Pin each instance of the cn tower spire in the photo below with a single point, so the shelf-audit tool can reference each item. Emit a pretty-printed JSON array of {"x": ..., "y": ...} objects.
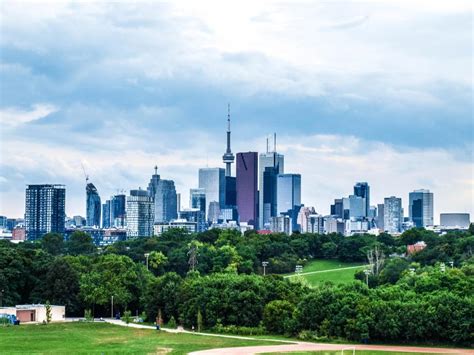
[{"x": 228, "y": 157}]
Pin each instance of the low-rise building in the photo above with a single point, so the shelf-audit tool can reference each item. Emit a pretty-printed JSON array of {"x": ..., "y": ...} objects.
[{"x": 31, "y": 313}]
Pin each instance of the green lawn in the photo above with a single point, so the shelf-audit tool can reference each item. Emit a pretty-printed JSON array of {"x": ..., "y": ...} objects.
[
  {"x": 102, "y": 338},
  {"x": 333, "y": 271}
]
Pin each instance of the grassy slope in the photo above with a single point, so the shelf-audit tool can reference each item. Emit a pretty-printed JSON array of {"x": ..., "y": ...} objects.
[
  {"x": 100, "y": 338},
  {"x": 336, "y": 276}
]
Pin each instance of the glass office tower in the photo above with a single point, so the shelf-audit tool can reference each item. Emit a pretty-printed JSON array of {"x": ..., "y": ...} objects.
[
  {"x": 420, "y": 208},
  {"x": 212, "y": 180},
  {"x": 247, "y": 188},
  {"x": 93, "y": 206}
]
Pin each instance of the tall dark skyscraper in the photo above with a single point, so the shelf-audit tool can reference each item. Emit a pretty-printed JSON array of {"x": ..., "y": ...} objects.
[
  {"x": 228, "y": 157},
  {"x": 45, "y": 210},
  {"x": 362, "y": 189},
  {"x": 269, "y": 195},
  {"x": 247, "y": 185},
  {"x": 117, "y": 211},
  {"x": 93, "y": 206},
  {"x": 106, "y": 214}
]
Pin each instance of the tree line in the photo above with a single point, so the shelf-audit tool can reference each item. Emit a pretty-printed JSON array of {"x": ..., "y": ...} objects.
[{"x": 213, "y": 280}]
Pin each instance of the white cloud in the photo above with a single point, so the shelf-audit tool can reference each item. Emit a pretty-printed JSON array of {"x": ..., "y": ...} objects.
[{"x": 13, "y": 116}]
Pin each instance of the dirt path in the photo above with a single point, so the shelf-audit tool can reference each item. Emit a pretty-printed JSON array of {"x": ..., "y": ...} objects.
[{"x": 330, "y": 347}]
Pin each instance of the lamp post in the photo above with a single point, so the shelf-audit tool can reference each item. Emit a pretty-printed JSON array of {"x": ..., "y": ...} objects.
[
  {"x": 147, "y": 255},
  {"x": 264, "y": 264},
  {"x": 112, "y": 307}
]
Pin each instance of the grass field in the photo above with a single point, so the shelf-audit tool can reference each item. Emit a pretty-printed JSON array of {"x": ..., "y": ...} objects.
[
  {"x": 330, "y": 270},
  {"x": 102, "y": 338}
]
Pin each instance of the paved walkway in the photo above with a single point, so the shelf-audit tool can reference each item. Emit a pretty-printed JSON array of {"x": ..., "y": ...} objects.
[
  {"x": 326, "y": 347},
  {"x": 323, "y": 271},
  {"x": 291, "y": 346}
]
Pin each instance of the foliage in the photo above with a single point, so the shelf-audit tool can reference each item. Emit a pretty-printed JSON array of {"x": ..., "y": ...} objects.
[
  {"x": 127, "y": 316},
  {"x": 233, "y": 329},
  {"x": 80, "y": 243},
  {"x": 277, "y": 316},
  {"x": 88, "y": 315},
  {"x": 48, "y": 312},
  {"x": 172, "y": 323},
  {"x": 199, "y": 321},
  {"x": 53, "y": 243}
]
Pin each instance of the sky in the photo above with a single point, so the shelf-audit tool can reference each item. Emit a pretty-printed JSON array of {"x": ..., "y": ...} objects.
[{"x": 376, "y": 91}]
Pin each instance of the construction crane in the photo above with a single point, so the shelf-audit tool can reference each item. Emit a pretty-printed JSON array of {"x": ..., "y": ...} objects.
[{"x": 85, "y": 174}]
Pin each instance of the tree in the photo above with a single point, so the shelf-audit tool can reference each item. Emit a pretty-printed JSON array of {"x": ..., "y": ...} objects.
[
  {"x": 393, "y": 270},
  {"x": 157, "y": 261},
  {"x": 277, "y": 316},
  {"x": 199, "y": 321},
  {"x": 111, "y": 275},
  {"x": 376, "y": 259},
  {"x": 80, "y": 243},
  {"x": 53, "y": 243},
  {"x": 48, "y": 312}
]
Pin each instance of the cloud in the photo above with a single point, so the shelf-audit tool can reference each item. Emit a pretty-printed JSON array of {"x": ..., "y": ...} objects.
[
  {"x": 148, "y": 83},
  {"x": 12, "y": 116}
]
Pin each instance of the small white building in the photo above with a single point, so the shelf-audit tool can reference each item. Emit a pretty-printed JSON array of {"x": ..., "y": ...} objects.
[{"x": 35, "y": 312}]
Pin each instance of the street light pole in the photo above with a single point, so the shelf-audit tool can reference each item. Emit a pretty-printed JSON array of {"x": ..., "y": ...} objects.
[
  {"x": 112, "y": 308},
  {"x": 264, "y": 264}
]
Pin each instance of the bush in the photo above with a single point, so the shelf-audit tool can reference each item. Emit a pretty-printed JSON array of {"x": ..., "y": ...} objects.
[
  {"x": 233, "y": 329},
  {"x": 277, "y": 316},
  {"x": 127, "y": 316},
  {"x": 172, "y": 323}
]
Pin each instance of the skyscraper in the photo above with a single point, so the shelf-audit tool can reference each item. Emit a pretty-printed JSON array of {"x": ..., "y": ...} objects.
[
  {"x": 247, "y": 193},
  {"x": 380, "y": 217},
  {"x": 212, "y": 180},
  {"x": 337, "y": 209},
  {"x": 140, "y": 214},
  {"x": 277, "y": 162},
  {"x": 163, "y": 193},
  {"x": 393, "y": 214},
  {"x": 289, "y": 197},
  {"x": 118, "y": 211},
  {"x": 228, "y": 157},
  {"x": 421, "y": 208},
  {"x": 106, "y": 213},
  {"x": 45, "y": 207},
  {"x": 197, "y": 199},
  {"x": 269, "y": 199},
  {"x": 362, "y": 189},
  {"x": 93, "y": 206}
]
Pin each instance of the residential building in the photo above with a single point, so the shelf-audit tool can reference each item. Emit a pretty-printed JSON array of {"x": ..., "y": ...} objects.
[
  {"x": 393, "y": 215},
  {"x": 93, "y": 206},
  {"x": 303, "y": 216},
  {"x": 140, "y": 214},
  {"x": 195, "y": 215},
  {"x": 315, "y": 224},
  {"x": 44, "y": 210}
]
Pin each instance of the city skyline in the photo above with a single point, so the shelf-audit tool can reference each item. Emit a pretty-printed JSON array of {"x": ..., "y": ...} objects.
[{"x": 339, "y": 118}]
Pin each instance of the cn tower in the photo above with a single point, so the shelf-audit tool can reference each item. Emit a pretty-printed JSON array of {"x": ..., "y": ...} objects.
[{"x": 228, "y": 157}]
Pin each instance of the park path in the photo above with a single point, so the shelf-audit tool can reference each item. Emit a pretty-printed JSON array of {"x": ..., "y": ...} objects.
[
  {"x": 327, "y": 347},
  {"x": 291, "y": 346},
  {"x": 323, "y": 271}
]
